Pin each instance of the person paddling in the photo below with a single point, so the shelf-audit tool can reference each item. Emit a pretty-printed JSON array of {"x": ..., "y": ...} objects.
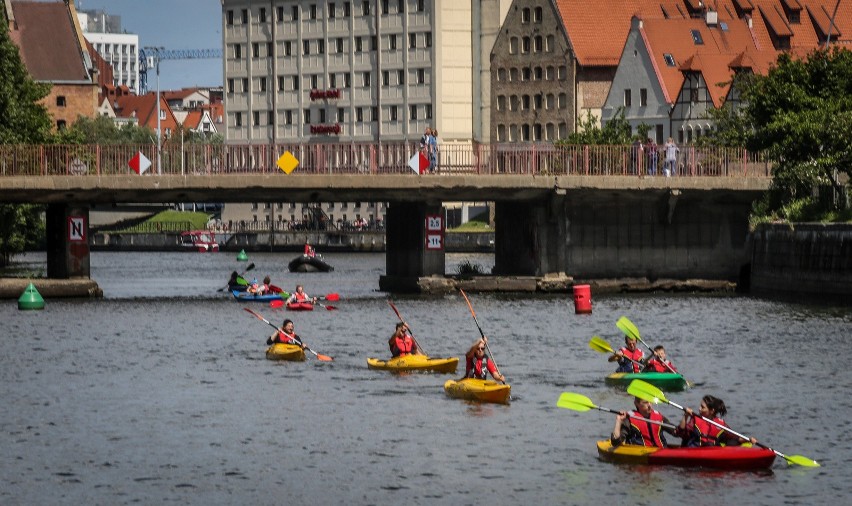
[
  {"x": 401, "y": 343},
  {"x": 629, "y": 430},
  {"x": 658, "y": 362},
  {"x": 698, "y": 432},
  {"x": 300, "y": 296},
  {"x": 285, "y": 335},
  {"x": 629, "y": 357},
  {"x": 478, "y": 365}
]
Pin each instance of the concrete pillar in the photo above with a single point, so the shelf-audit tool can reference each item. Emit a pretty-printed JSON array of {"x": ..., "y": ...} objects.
[
  {"x": 530, "y": 237},
  {"x": 409, "y": 254},
  {"x": 67, "y": 241}
]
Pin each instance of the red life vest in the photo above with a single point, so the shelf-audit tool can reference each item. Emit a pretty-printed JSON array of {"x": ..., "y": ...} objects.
[
  {"x": 286, "y": 338},
  {"x": 477, "y": 368},
  {"x": 300, "y": 297},
  {"x": 634, "y": 355},
  {"x": 657, "y": 365},
  {"x": 403, "y": 345},
  {"x": 708, "y": 434},
  {"x": 652, "y": 433}
]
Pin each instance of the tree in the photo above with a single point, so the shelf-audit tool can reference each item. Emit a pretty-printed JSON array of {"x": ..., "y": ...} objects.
[
  {"x": 800, "y": 114},
  {"x": 103, "y": 130},
  {"x": 23, "y": 119},
  {"x": 614, "y": 132}
]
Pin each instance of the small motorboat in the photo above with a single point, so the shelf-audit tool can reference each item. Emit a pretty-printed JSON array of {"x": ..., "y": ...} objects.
[
  {"x": 308, "y": 263},
  {"x": 199, "y": 240},
  {"x": 283, "y": 351},
  {"x": 715, "y": 457},
  {"x": 419, "y": 363},
  {"x": 473, "y": 389},
  {"x": 670, "y": 382}
]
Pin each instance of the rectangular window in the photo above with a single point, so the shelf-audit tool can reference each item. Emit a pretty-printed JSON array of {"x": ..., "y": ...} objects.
[
  {"x": 340, "y": 116},
  {"x": 245, "y": 16},
  {"x": 280, "y": 83},
  {"x": 347, "y": 80},
  {"x": 696, "y": 38},
  {"x": 643, "y": 97},
  {"x": 263, "y": 15},
  {"x": 246, "y": 85},
  {"x": 307, "y": 116},
  {"x": 670, "y": 61},
  {"x": 255, "y": 50},
  {"x": 295, "y": 13},
  {"x": 366, "y": 79},
  {"x": 295, "y": 83},
  {"x": 384, "y": 6},
  {"x": 412, "y": 111},
  {"x": 428, "y": 39},
  {"x": 320, "y": 46},
  {"x": 230, "y": 18},
  {"x": 60, "y": 101},
  {"x": 375, "y": 113},
  {"x": 374, "y": 43},
  {"x": 238, "y": 119},
  {"x": 347, "y": 9},
  {"x": 400, "y": 77},
  {"x": 288, "y": 117},
  {"x": 230, "y": 85},
  {"x": 393, "y": 113},
  {"x": 262, "y": 84},
  {"x": 340, "y": 45},
  {"x": 255, "y": 118},
  {"x": 412, "y": 40},
  {"x": 331, "y": 13},
  {"x": 332, "y": 80},
  {"x": 358, "y": 47},
  {"x": 392, "y": 42},
  {"x": 306, "y": 47},
  {"x": 238, "y": 51},
  {"x": 365, "y": 8},
  {"x": 627, "y": 98},
  {"x": 313, "y": 11},
  {"x": 428, "y": 111},
  {"x": 314, "y": 81},
  {"x": 385, "y": 78},
  {"x": 269, "y": 49},
  {"x": 359, "y": 114},
  {"x": 280, "y": 12},
  {"x": 322, "y": 116},
  {"x": 288, "y": 48}
]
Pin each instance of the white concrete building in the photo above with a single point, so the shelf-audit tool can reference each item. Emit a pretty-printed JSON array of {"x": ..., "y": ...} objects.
[
  {"x": 358, "y": 71},
  {"x": 120, "y": 50}
]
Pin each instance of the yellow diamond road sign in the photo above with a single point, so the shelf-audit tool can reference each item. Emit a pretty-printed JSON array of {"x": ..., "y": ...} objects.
[{"x": 287, "y": 162}]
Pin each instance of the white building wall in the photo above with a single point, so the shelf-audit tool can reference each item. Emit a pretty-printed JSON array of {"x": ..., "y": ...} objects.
[{"x": 121, "y": 51}]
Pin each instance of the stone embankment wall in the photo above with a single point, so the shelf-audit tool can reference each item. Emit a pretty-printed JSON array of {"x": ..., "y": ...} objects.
[{"x": 808, "y": 261}]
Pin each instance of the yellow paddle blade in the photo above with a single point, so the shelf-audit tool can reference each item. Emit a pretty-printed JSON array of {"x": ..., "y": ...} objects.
[
  {"x": 628, "y": 328},
  {"x": 646, "y": 391},
  {"x": 577, "y": 402},
  {"x": 800, "y": 460},
  {"x": 600, "y": 345}
]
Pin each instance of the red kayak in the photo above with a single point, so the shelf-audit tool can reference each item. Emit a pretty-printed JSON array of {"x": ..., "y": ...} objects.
[
  {"x": 716, "y": 457},
  {"x": 300, "y": 306}
]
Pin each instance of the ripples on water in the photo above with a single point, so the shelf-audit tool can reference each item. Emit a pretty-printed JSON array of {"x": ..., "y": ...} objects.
[{"x": 161, "y": 393}]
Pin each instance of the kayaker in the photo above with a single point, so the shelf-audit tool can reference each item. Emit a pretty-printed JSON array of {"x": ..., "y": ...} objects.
[
  {"x": 286, "y": 335},
  {"x": 658, "y": 362},
  {"x": 629, "y": 430},
  {"x": 477, "y": 363},
  {"x": 300, "y": 296},
  {"x": 629, "y": 357},
  {"x": 698, "y": 432},
  {"x": 309, "y": 250},
  {"x": 234, "y": 282},
  {"x": 254, "y": 287},
  {"x": 401, "y": 343}
]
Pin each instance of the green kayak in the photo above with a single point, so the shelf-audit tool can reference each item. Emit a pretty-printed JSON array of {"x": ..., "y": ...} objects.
[{"x": 663, "y": 380}]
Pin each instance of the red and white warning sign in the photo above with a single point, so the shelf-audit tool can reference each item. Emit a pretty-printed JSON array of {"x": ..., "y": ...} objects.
[
  {"x": 139, "y": 163},
  {"x": 76, "y": 229}
]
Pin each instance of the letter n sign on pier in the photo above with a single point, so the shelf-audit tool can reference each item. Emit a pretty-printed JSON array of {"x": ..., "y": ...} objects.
[
  {"x": 76, "y": 229},
  {"x": 434, "y": 232}
]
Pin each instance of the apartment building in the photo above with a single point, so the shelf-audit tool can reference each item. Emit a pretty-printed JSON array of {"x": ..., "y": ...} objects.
[
  {"x": 119, "y": 49},
  {"x": 305, "y": 71}
]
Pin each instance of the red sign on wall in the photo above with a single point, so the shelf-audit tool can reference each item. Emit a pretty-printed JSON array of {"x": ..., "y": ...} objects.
[
  {"x": 324, "y": 94},
  {"x": 434, "y": 232},
  {"x": 326, "y": 129}
]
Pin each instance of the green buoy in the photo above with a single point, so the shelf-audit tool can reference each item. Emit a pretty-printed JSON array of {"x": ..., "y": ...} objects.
[
  {"x": 30, "y": 299},
  {"x": 242, "y": 257}
]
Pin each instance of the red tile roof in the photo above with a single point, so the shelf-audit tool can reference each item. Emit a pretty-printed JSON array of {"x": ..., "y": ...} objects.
[
  {"x": 48, "y": 42},
  {"x": 144, "y": 109}
]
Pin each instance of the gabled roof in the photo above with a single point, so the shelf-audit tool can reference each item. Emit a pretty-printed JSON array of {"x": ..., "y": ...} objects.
[
  {"x": 182, "y": 93},
  {"x": 48, "y": 42},
  {"x": 193, "y": 119},
  {"x": 144, "y": 109}
]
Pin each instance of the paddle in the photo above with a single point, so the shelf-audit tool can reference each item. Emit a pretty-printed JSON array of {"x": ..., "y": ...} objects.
[
  {"x": 410, "y": 332},
  {"x": 248, "y": 268},
  {"x": 481, "y": 333},
  {"x": 598, "y": 344},
  {"x": 577, "y": 402},
  {"x": 650, "y": 393},
  {"x": 629, "y": 329},
  {"x": 320, "y": 356}
]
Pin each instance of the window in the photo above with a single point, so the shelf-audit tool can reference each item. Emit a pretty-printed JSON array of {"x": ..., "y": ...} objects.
[
  {"x": 331, "y": 10},
  {"x": 314, "y": 81},
  {"x": 385, "y": 78},
  {"x": 393, "y": 109},
  {"x": 526, "y": 73},
  {"x": 539, "y": 44},
  {"x": 332, "y": 80},
  {"x": 238, "y": 119},
  {"x": 288, "y": 48},
  {"x": 288, "y": 117},
  {"x": 306, "y": 47},
  {"x": 320, "y": 46},
  {"x": 696, "y": 37},
  {"x": 255, "y": 118},
  {"x": 358, "y": 47},
  {"x": 263, "y": 15},
  {"x": 428, "y": 111},
  {"x": 307, "y": 116},
  {"x": 549, "y": 43},
  {"x": 385, "y": 7},
  {"x": 269, "y": 49},
  {"x": 60, "y": 101},
  {"x": 313, "y": 11},
  {"x": 238, "y": 51},
  {"x": 537, "y": 15},
  {"x": 230, "y": 85},
  {"x": 280, "y": 83},
  {"x": 340, "y": 115},
  {"x": 420, "y": 6},
  {"x": 374, "y": 43},
  {"x": 670, "y": 61},
  {"x": 525, "y": 102},
  {"x": 359, "y": 114},
  {"x": 627, "y": 98},
  {"x": 246, "y": 85},
  {"x": 392, "y": 42},
  {"x": 428, "y": 39},
  {"x": 693, "y": 95},
  {"x": 421, "y": 76},
  {"x": 400, "y": 77},
  {"x": 61, "y": 124},
  {"x": 365, "y": 8},
  {"x": 525, "y": 133},
  {"x": 280, "y": 13},
  {"x": 525, "y": 15},
  {"x": 295, "y": 83},
  {"x": 374, "y": 111},
  {"x": 347, "y": 9},
  {"x": 295, "y": 13},
  {"x": 525, "y": 45},
  {"x": 230, "y": 17},
  {"x": 340, "y": 45},
  {"x": 412, "y": 41},
  {"x": 255, "y": 50},
  {"x": 501, "y": 103},
  {"x": 262, "y": 84},
  {"x": 643, "y": 97},
  {"x": 322, "y": 116},
  {"x": 245, "y": 16},
  {"x": 538, "y": 73},
  {"x": 538, "y": 101},
  {"x": 412, "y": 112},
  {"x": 347, "y": 82},
  {"x": 366, "y": 79}
]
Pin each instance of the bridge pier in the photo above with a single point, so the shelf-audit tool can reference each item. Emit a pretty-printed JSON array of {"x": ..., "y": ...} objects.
[
  {"x": 407, "y": 255},
  {"x": 67, "y": 230},
  {"x": 530, "y": 237}
]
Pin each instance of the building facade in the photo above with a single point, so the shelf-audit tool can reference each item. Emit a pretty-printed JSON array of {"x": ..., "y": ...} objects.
[
  {"x": 302, "y": 71},
  {"x": 120, "y": 50}
]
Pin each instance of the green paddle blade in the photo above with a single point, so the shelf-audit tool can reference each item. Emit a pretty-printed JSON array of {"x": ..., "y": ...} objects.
[
  {"x": 577, "y": 402},
  {"x": 646, "y": 391},
  {"x": 800, "y": 460},
  {"x": 600, "y": 345},
  {"x": 628, "y": 328}
]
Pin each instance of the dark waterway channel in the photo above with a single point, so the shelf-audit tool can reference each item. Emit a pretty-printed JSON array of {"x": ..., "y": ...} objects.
[{"x": 160, "y": 393}]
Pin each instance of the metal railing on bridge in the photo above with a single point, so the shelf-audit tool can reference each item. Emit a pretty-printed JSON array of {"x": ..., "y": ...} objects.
[{"x": 386, "y": 158}]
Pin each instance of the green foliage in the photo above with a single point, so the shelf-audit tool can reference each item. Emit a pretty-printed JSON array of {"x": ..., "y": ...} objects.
[
  {"x": 21, "y": 228},
  {"x": 22, "y": 118},
  {"x": 473, "y": 226},
  {"x": 801, "y": 115},
  {"x": 198, "y": 220},
  {"x": 467, "y": 268},
  {"x": 103, "y": 130},
  {"x": 616, "y": 131}
]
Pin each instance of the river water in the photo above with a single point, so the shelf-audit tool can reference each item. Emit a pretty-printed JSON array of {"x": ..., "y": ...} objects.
[{"x": 160, "y": 393}]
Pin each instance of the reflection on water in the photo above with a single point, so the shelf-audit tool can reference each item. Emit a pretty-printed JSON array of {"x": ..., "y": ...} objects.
[{"x": 161, "y": 393}]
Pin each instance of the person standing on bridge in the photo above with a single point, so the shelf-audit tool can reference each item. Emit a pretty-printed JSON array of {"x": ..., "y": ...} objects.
[{"x": 671, "y": 150}]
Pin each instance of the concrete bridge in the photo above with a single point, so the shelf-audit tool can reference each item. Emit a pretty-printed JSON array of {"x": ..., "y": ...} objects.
[{"x": 588, "y": 211}]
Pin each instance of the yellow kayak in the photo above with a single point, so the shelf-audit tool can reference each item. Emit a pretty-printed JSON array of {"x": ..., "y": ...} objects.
[
  {"x": 414, "y": 363},
  {"x": 281, "y": 351},
  {"x": 473, "y": 389}
]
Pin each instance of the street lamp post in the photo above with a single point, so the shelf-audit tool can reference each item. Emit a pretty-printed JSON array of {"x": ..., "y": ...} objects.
[{"x": 155, "y": 55}]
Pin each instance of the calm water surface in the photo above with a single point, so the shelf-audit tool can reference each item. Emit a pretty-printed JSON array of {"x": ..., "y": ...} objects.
[{"x": 160, "y": 393}]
